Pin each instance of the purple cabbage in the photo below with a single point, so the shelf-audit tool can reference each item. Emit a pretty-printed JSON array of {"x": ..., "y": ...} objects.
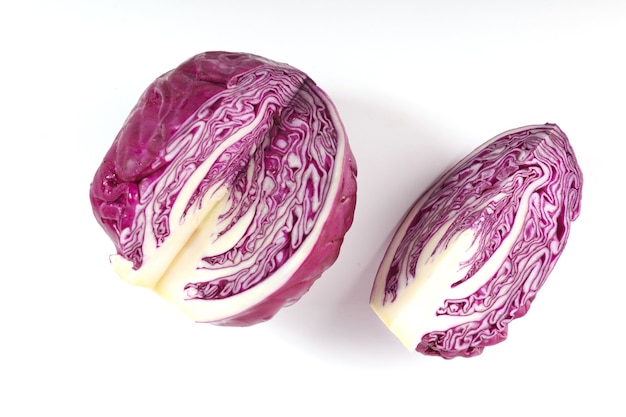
[
  {"x": 229, "y": 188},
  {"x": 476, "y": 247}
]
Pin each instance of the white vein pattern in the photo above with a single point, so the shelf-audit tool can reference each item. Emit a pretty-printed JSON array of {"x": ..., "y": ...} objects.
[{"x": 475, "y": 249}]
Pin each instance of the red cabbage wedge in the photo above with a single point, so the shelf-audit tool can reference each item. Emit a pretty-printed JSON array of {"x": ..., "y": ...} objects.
[
  {"x": 229, "y": 188},
  {"x": 475, "y": 248}
]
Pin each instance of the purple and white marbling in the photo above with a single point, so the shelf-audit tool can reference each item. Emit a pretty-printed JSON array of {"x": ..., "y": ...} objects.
[
  {"x": 229, "y": 188},
  {"x": 476, "y": 247}
]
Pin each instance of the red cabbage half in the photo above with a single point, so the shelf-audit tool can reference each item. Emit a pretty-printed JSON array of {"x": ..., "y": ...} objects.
[
  {"x": 229, "y": 188},
  {"x": 475, "y": 248}
]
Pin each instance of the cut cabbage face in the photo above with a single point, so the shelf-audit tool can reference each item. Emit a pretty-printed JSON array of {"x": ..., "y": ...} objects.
[
  {"x": 476, "y": 247},
  {"x": 229, "y": 188}
]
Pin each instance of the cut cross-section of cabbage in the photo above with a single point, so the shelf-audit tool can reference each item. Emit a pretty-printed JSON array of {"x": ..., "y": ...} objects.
[
  {"x": 229, "y": 188},
  {"x": 472, "y": 252}
]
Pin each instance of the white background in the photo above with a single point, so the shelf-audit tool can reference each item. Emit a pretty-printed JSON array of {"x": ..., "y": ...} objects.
[{"x": 418, "y": 84}]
